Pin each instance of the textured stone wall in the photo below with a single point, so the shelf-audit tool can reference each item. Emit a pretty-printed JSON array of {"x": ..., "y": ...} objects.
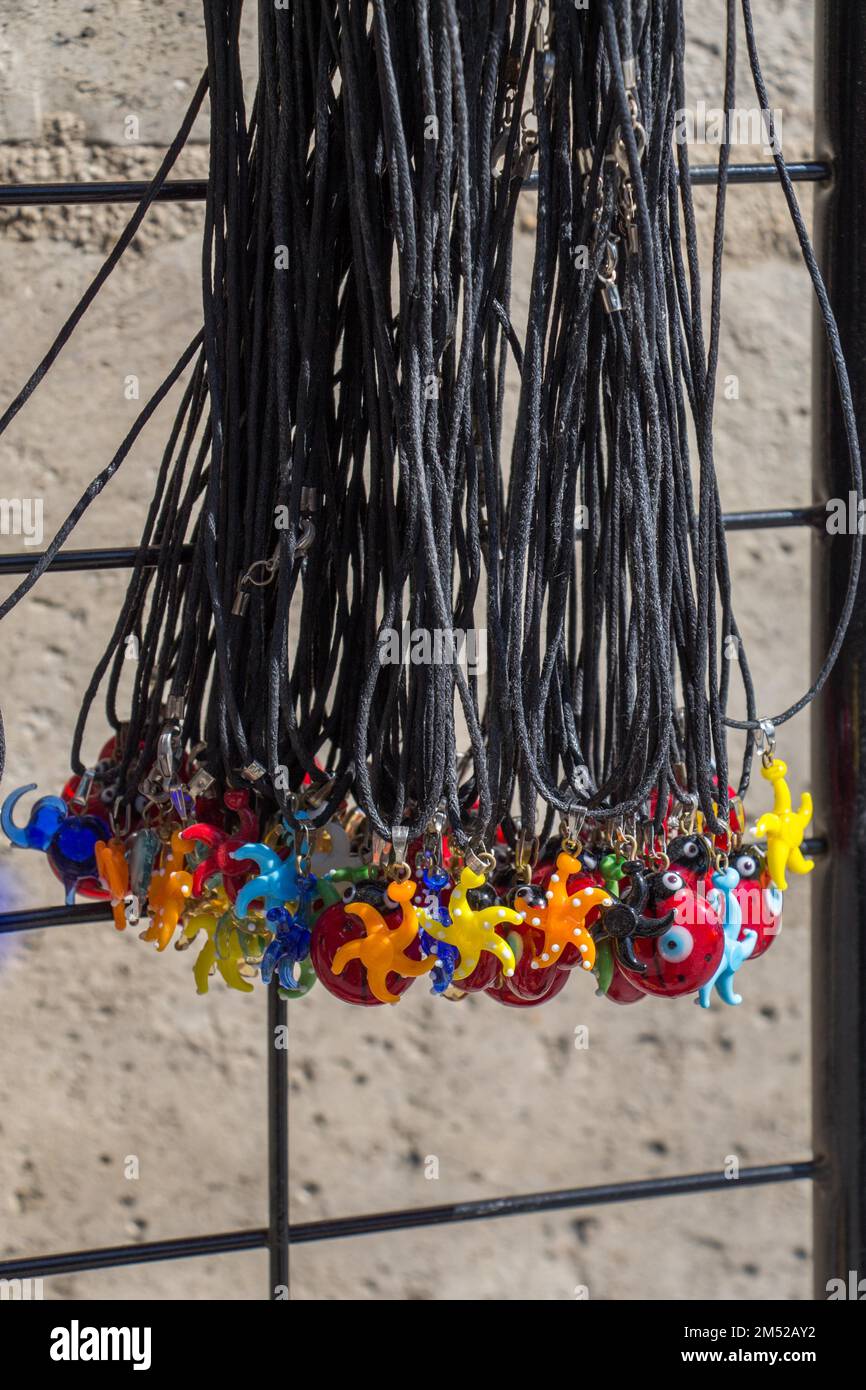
[{"x": 107, "y": 1052}]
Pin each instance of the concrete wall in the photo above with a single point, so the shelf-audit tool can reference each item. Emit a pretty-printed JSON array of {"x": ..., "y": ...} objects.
[{"x": 107, "y": 1052}]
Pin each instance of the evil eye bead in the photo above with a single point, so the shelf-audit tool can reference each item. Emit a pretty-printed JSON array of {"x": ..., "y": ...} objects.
[
  {"x": 677, "y": 944},
  {"x": 671, "y": 882},
  {"x": 747, "y": 866}
]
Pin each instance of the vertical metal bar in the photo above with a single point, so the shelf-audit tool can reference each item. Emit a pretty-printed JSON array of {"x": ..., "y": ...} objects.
[
  {"x": 839, "y": 730},
  {"x": 278, "y": 1144}
]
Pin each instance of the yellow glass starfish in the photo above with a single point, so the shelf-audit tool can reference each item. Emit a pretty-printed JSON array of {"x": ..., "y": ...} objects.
[
  {"x": 784, "y": 827},
  {"x": 170, "y": 887},
  {"x": 382, "y": 950},
  {"x": 563, "y": 917},
  {"x": 207, "y": 917},
  {"x": 473, "y": 932}
]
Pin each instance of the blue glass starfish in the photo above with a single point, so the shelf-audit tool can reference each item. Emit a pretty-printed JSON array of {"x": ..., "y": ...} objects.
[
  {"x": 278, "y": 882},
  {"x": 722, "y": 900},
  {"x": 447, "y": 956},
  {"x": 289, "y": 948}
]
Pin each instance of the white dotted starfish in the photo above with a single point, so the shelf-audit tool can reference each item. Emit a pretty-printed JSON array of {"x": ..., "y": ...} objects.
[
  {"x": 473, "y": 931},
  {"x": 564, "y": 915}
]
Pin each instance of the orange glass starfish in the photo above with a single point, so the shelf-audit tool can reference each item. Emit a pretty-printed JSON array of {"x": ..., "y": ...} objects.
[
  {"x": 564, "y": 915},
  {"x": 113, "y": 873},
  {"x": 383, "y": 950},
  {"x": 170, "y": 889}
]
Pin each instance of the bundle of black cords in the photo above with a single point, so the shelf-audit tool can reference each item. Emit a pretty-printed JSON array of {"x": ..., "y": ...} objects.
[{"x": 340, "y": 464}]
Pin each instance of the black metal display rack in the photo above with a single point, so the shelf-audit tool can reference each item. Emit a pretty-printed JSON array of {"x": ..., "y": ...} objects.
[{"x": 838, "y": 1164}]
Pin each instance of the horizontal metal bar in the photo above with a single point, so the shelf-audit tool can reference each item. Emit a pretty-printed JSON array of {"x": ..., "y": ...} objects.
[
  {"x": 22, "y": 562},
  {"x": 34, "y": 919},
  {"x": 195, "y": 190},
  {"x": 806, "y": 171},
  {"x": 534, "y": 1202},
  {"x": 111, "y": 1256},
  {"x": 65, "y": 916},
  {"x": 375, "y": 1223},
  {"x": 14, "y": 195},
  {"x": 702, "y": 175},
  {"x": 779, "y": 518}
]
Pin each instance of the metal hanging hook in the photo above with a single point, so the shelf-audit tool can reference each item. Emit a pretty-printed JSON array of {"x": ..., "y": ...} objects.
[{"x": 765, "y": 741}]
